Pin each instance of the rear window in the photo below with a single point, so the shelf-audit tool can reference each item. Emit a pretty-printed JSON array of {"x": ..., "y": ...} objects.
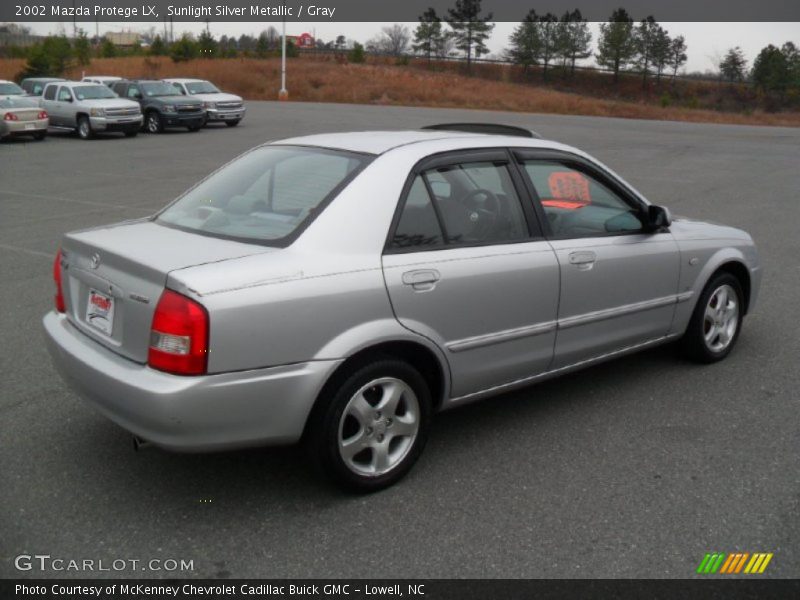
[
  {"x": 266, "y": 195},
  {"x": 10, "y": 89}
]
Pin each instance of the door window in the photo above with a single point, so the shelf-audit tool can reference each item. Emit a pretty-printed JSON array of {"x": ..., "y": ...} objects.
[
  {"x": 133, "y": 91},
  {"x": 418, "y": 226},
  {"x": 577, "y": 204},
  {"x": 50, "y": 92},
  {"x": 64, "y": 95}
]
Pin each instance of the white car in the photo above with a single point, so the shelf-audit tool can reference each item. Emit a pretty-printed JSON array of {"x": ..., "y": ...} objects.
[
  {"x": 106, "y": 80},
  {"x": 220, "y": 107}
]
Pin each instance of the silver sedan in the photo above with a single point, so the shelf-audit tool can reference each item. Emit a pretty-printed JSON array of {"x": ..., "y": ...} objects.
[
  {"x": 21, "y": 116},
  {"x": 340, "y": 289}
]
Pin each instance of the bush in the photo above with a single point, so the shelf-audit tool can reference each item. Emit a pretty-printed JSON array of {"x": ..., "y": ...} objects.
[
  {"x": 184, "y": 49},
  {"x": 356, "y": 55}
]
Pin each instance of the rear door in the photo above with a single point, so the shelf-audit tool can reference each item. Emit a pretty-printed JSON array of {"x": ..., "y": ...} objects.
[
  {"x": 619, "y": 281},
  {"x": 49, "y": 104},
  {"x": 467, "y": 267}
]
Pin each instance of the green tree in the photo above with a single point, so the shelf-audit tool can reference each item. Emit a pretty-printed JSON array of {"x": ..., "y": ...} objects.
[
  {"x": 792, "y": 54},
  {"x": 677, "y": 54},
  {"x": 733, "y": 66},
  {"x": 549, "y": 34},
  {"x": 292, "y": 51},
  {"x": 771, "y": 70},
  {"x": 184, "y": 49},
  {"x": 207, "y": 45},
  {"x": 38, "y": 64},
  {"x": 107, "y": 48},
  {"x": 158, "y": 47},
  {"x": 262, "y": 45},
  {"x": 526, "y": 42},
  {"x": 470, "y": 29},
  {"x": 617, "y": 45},
  {"x": 82, "y": 48},
  {"x": 574, "y": 38},
  {"x": 646, "y": 41},
  {"x": 662, "y": 52},
  {"x": 356, "y": 55},
  {"x": 428, "y": 34}
]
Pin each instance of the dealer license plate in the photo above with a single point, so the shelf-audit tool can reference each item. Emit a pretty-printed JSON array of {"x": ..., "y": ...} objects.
[{"x": 100, "y": 312}]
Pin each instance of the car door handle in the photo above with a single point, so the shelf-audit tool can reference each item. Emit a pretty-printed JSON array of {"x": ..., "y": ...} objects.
[
  {"x": 422, "y": 279},
  {"x": 584, "y": 259}
]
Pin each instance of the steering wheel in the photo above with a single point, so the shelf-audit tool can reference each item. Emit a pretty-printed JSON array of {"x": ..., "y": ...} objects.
[{"x": 483, "y": 213}]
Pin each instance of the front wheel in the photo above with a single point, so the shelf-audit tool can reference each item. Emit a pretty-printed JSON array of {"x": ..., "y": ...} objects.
[
  {"x": 85, "y": 128},
  {"x": 153, "y": 123},
  {"x": 373, "y": 428},
  {"x": 716, "y": 321},
  {"x": 194, "y": 128}
]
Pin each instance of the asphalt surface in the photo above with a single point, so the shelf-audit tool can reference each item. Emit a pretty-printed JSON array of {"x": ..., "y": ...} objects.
[{"x": 635, "y": 468}]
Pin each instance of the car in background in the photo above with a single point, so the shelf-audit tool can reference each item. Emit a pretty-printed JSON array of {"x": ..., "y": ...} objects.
[
  {"x": 9, "y": 88},
  {"x": 220, "y": 107},
  {"x": 341, "y": 288},
  {"x": 162, "y": 105},
  {"x": 34, "y": 86},
  {"x": 90, "y": 108},
  {"x": 102, "y": 79},
  {"x": 22, "y": 116}
]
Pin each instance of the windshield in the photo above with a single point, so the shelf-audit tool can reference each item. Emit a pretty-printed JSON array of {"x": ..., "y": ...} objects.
[
  {"x": 14, "y": 102},
  {"x": 93, "y": 92},
  {"x": 11, "y": 89},
  {"x": 202, "y": 87},
  {"x": 159, "y": 89},
  {"x": 265, "y": 195}
]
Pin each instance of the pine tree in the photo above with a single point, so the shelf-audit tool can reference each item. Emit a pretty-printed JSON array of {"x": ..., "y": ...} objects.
[
  {"x": 617, "y": 46},
  {"x": 158, "y": 47},
  {"x": 677, "y": 54},
  {"x": 207, "y": 44},
  {"x": 646, "y": 38},
  {"x": 526, "y": 42},
  {"x": 734, "y": 65},
  {"x": 574, "y": 38},
  {"x": 428, "y": 34},
  {"x": 470, "y": 29}
]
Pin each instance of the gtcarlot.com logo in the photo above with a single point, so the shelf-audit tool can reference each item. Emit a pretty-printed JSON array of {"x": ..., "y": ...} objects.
[
  {"x": 734, "y": 563},
  {"x": 45, "y": 562}
]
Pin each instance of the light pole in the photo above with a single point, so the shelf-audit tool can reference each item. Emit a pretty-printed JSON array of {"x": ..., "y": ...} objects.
[{"x": 283, "y": 94}]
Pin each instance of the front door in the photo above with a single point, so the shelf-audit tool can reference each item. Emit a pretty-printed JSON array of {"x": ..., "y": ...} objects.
[{"x": 466, "y": 266}]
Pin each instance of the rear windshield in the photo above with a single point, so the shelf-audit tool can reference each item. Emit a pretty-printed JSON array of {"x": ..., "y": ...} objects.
[
  {"x": 10, "y": 89},
  {"x": 93, "y": 92},
  {"x": 266, "y": 195},
  {"x": 14, "y": 102},
  {"x": 202, "y": 87},
  {"x": 159, "y": 89}
]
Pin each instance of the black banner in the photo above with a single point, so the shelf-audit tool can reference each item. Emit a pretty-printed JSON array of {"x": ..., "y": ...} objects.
[
  {"x": 383, "y": 10},
  {"x": 422, "y": 589}
]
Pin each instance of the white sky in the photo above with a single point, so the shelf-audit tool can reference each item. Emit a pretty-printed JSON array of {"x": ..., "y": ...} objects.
[{"x": 706, "y": 41}]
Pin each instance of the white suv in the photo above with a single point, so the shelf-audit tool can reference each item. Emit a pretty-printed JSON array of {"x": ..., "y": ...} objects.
[{"x": 220, "y": 107}]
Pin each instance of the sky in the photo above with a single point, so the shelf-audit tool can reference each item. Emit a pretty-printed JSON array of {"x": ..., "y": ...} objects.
[{"x": 707, "y": 42}]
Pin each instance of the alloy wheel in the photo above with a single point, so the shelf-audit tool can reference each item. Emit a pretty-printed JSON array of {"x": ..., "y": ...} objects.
[{"x": 721, "y": 318}]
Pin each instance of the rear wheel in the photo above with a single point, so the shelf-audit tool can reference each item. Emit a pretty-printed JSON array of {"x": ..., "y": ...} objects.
[
  {"x": 40, "y": 135},
  {"x": 716, "y": 321},
  {"x": 232, "y": 123},
  {"x": 373, "y": 428},
  {"x": 85, "y": 128},
  {"x": 153, "y": 122}
]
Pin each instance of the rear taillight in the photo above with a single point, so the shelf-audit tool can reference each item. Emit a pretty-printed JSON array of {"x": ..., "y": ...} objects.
[
  {"x": 59, "y": 298},
  {"x": 179, "y": 336},
  {"x": 43, "y": 114},
  {"x": 10, "y": 117}
]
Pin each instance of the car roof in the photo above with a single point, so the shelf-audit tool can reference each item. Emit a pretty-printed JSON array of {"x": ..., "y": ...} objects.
[
  {"x": 114, "y": 77},
  {"x": 379, "y": 142},
  {"x": 44, "y": 79},
  {"x": 181, "y": 80}
]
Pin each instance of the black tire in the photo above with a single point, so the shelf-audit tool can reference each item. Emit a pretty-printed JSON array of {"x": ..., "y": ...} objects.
[
  {"x": 232, "y": 123},
  {"x": 153, "y": 122},
  {"x": 322, "y": 437},
  {"x": 85, "y": 131},
  {"x": 693, "y": 343},
  {"x": 194, "y": 128},
  {"x": 39, "y": 135},
  {"x": 131, "y": 134}
]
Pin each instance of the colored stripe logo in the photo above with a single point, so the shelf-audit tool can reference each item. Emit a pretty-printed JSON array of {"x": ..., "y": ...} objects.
[{"x": 734, "y": 563}]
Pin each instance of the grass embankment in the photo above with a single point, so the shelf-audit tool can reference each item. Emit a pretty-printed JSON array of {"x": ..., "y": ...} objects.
[{"x": 324, "y": 79}]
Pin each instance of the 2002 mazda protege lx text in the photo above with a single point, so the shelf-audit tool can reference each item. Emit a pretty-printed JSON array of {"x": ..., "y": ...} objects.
[{"x": 339, "y": 289}]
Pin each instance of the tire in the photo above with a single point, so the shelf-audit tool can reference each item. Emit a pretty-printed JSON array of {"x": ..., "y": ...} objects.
[
  {"x": 85, "y": 128},
  {"x": 39, "y": 135},
  {"x": 713, "y": 329},
  {"x": 356, "y": 411},
  {"x": 153, "y": 123},
  {"x": 131, "y": 134},
  {"x": 194, "y": 128},
  {"x": 232, "y": 123}
]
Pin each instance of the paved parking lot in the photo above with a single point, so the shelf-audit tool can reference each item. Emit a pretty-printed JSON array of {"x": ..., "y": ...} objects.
[{"x": 632, "y": 469}]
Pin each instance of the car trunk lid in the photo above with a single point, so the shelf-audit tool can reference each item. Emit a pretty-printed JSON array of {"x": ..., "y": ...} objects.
[{"x": 113, "y": 277}]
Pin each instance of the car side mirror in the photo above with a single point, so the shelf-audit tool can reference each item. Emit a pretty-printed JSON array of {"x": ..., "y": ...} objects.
[{"x": 658, "y": 217}]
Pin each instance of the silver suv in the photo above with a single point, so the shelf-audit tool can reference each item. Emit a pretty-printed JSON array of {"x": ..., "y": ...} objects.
[
  {"x": 342, "y": 288},
  {"x": 90, "y": 108}
]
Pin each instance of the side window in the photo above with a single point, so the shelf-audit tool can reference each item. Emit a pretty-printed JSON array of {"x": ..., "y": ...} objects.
[
  {"x": 478, "y": 203},
  {"x": 37, "y": 89},
  {"x": 133, "y": 91},
  {"x": 179, "y": 87},
  {"x": 418, "y": 226},
  {"x": 50, "y": 92},
  {"x": 578, "y": 205},
  {"x": 64, "y": 95}
]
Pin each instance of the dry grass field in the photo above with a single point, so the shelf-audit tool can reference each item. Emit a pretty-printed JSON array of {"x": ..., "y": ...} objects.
[{"x": 325, "y": 79}]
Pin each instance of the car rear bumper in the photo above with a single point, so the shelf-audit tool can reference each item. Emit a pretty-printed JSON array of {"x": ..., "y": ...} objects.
[
  {"x": 217, "y": 115},
  {"x": 24, "y": 127},
  {"x": 213, "y": 412},
  {"x": 116, "y": 123}
]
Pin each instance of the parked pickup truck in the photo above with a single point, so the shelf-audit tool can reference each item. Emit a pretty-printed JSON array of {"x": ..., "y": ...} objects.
[
  {"x": 90, "y": 108},
  {"x": 162, "y": 105},
  {"x": 220, "y": 107}
]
